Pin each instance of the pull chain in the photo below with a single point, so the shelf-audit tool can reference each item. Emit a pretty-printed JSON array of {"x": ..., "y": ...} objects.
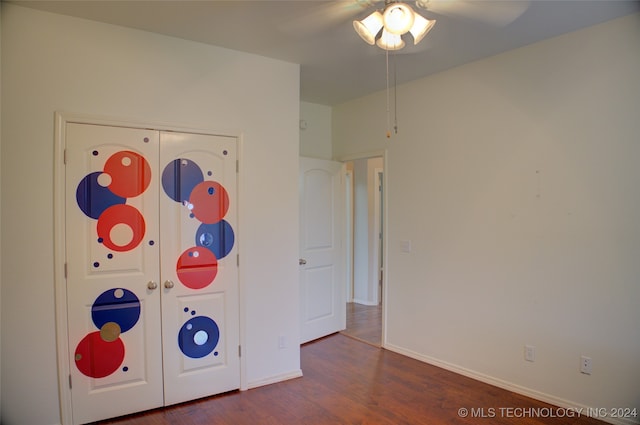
[
  {"x": 388, "y": 108},
  {"x": 395, "y": 98},
  {"x": 395, "y": 95}
]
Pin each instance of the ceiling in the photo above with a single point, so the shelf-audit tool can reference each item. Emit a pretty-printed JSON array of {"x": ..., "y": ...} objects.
[{"x": 336, "y": 65}]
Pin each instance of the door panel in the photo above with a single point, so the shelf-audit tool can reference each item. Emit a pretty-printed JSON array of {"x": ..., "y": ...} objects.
[
  {"x": 319, "y": 295},
  {"x": 200, "y": 311},
  {"x": 322, "y": 280},
  {"x": 112, "y": 254}
]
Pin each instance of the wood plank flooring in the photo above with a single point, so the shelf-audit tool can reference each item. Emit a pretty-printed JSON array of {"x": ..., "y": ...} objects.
[
  {"x": 349, "y": 382},
  {"x": 364, "y": 322}
]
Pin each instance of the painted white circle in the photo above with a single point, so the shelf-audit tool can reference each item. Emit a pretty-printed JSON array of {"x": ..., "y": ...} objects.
[
  {"x": 189, "y": 326},
  {"x": 118, "y": 293},
  {"x": 104, "y": 180},
  {"x": 200, "y": 337},
  {"x": 121, "y": 234},
  {"x": 126, "y": 161}
]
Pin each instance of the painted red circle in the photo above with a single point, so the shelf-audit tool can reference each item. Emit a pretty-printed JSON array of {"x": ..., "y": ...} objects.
[
  {"x": 210, "y": 202},
  {"x": 121, "y": 214},
  {"x": 197, "y": 267},
  {"x": 98, "y": 358},
  {"x": 130, "y": 173}
]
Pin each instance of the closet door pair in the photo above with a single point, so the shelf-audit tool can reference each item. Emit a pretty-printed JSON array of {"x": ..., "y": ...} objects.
[{"x": 151, "y": 268}]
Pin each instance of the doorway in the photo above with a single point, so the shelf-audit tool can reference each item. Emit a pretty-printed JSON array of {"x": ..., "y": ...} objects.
[{"x": 365, "y": 249}]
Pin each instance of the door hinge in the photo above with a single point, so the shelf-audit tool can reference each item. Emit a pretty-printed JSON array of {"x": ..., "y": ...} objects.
[
  {"x": 64, "y": 157},
  {"x": 65, "y": 270},
  {"x": 238, "y": 260},
  {"x": 237, "y": 165},
  {"x": 239, "y": 350},
  {"x": 70, "y": 386}
]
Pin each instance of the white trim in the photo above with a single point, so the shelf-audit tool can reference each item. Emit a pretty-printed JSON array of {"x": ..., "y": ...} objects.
[
  {"x": 377, "y": 230},
  {"x": 385, "y": 246},
  {"x": 59, "y": 258},
  {"x": 275, "y": 379},
  {"x": 59, "y": 232},
  {"x": 71, "y": 117},
  {"x": 506, "y": 385},
  {"x": 364, "y": 302},
  {"x": 364, "y": 155},
  {"x": 241, "y": 254},
  {"x": 349, "y": 235}
]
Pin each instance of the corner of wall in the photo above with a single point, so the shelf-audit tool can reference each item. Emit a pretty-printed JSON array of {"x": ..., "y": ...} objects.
[{"x": 315, "y": 131}]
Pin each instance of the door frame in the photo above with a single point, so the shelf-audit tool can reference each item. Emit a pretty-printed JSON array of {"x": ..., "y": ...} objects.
[
  {"x": 61, "y": 119},
  {"x": 378, "y": 225},
  {"x": 385, "y": 240},
  {"x": 348, "y": 226}
]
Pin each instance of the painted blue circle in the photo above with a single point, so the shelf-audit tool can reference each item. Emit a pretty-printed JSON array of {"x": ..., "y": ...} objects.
[
  {"x": 179, "y": 178},
  {"x": 93, "y": 198},
  {"x": 198, "y": 337},
  {"x": 217, "y": 237},
  {"x": 117, "y": 305}
]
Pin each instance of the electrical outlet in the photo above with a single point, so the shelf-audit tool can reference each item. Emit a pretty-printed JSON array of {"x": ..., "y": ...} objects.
[
  {"x": 585, "y": 365},
  {"x": 530, "y": 353},
  {"x": 405, "y": 246}
]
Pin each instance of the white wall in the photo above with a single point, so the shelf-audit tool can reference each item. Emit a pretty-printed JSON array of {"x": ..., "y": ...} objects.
[
  {"x": 516, "y": 179},
  {"x": 315, "y": 137},
  {"x": 56, "y": 63},
  {"x": 361, "y": 290}
]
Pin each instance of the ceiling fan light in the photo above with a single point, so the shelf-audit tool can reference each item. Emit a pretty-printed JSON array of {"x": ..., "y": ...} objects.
[
  {"x": 369, "y": 27},
  {"x": 420, "y": 28},
  {"x": 398, "y": 18},
  {"x": 389, "y": 41}
]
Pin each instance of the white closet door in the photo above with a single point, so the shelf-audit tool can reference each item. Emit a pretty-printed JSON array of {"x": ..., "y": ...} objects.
[
  {"x": 200, "y": 310},
  {"x": 112, "y": 266}
]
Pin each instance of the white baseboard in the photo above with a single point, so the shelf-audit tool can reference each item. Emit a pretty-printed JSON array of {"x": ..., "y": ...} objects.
[
  {"x": 364, "y": 302},
  {"x": 546, "y": 398},
  {"x": 274, "y": 379}
]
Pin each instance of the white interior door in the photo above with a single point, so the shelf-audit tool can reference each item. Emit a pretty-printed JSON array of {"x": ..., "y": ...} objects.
[
  {"x": 199, "y": 270},
  {"x": 152, "y": 275},
  {"x": 322, "y": 277},
  {"x": 112, "y": 267}
]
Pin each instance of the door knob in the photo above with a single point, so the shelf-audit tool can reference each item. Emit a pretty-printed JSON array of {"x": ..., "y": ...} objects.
[
  {"x": 168, "y": 284},
  {"x": 302, "y": 261},
  {"x": 152, "y": 285}
]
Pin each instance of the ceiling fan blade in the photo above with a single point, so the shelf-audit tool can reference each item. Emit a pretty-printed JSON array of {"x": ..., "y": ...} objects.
[
  {"x": 311, "y": 17},
  {"x": 493, "y": 12}
]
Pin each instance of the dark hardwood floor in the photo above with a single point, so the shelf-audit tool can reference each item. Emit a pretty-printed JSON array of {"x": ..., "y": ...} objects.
[
  {"x": 349, "y": 382},
  {"x": 364, "y": 322}
]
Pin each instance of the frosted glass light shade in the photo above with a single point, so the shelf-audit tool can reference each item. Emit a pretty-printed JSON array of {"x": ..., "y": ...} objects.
[
  {"x": 390, "y": 41},
  {"x": 420, "y": 28},
  {"x": 398, "y": 18},
  {"x": 369, "y": 27}
]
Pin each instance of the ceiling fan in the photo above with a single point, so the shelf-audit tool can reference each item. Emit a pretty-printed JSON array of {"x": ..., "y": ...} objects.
[
  {"x": 386, "y": 27},
  {"x": 398, "y": 12}
]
